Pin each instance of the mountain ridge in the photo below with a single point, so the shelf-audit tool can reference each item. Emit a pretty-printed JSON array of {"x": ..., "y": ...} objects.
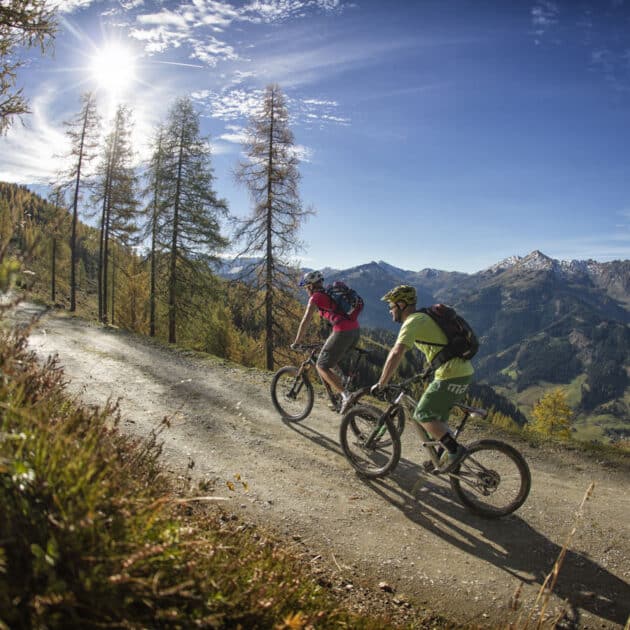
[{"x": 542, "y": 323}]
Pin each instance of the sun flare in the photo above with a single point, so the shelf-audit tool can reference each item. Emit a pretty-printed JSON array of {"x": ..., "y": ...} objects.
[{"x": 113, "y": 68}]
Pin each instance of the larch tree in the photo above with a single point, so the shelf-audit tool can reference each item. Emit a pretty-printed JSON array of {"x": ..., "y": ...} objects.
[
  {"x": 190, "y": 210},
  {"x": 82, "y": 130},
  {"x": 270, "y": 233},
  {"x": 552, "y": 415},
  {"x": 116, "y": 191},
  {"x": 23, "y": 23},
  {"x": 156, "y": 175},
  {"x": 55, "y": 220}
]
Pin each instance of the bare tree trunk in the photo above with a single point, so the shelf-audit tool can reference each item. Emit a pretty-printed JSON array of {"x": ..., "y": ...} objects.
[
  {"x": 53, "y": 271},
  {"x": 99, "y": 275},
  {"x": 269, "y": 345},
  {"x": 172, "y": 297},
  {"x": 75, "y": 218},
  {"x": 154, "y": 234},
  {"x": 113, "y": 283},
  {"x": 105, "y": 262},
  {"x": 152, "y": 293}
]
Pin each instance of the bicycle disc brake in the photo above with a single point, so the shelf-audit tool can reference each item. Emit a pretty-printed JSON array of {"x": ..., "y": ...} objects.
[{"x": 489, "y": 481}]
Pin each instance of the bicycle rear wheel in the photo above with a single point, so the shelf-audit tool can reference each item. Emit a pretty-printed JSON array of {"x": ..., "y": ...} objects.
[
  {"x": 382, "y": 455},
  {"x": 292, "y": 395},
  {"x": 493, "y": 479}
]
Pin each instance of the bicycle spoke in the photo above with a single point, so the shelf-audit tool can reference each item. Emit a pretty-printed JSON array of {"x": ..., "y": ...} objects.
[
  {"x": 493, "y": 479},
  {"x": 291, "y": 394},
  {"x": 370, "y": 454}
]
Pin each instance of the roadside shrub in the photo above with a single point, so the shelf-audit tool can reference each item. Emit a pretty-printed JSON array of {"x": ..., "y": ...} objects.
[{"x": 92, "y": 535}]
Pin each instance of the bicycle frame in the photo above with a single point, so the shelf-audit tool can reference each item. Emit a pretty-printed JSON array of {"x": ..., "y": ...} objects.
[
  {"x": 492, "y": 479},
  {"x": 408, "y": 403},
  {"x": 311, "y": 361}
]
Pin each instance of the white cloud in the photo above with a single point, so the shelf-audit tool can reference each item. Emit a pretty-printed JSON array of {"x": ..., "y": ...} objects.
[
  {"x": 158, "y": 39},
  {"x": 235, "y": 104},
  {"x": 187, "y": 25},
  {"x": 230, "y": 104},
  {"x": 165, "y": 18},
  {"x": 240, "y": 76},
  {"x": 304, "y": 154},
  {"x": 32, "y": 153},
  {"x": 170, "y": 27},
  {"x": 210, "y": 50},
  {"x": 602, "y": 32},
  {"x": 70, "y": 6},
  {"x": 235, "y": 134},
  {"x": 278, "y": 10},
  {"x": 544, "y": 16},
  {"x": 313, "y": 110}
]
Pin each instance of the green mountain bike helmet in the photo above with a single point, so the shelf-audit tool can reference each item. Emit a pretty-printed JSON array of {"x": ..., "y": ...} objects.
[{"x": 401, "y": 293}]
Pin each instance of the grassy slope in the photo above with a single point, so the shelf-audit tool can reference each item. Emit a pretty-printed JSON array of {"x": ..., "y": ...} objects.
[{"x": 93, "y": 533}]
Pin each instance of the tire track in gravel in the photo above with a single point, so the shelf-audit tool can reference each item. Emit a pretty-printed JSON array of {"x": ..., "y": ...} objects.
[{"x": 430, "y": 550}]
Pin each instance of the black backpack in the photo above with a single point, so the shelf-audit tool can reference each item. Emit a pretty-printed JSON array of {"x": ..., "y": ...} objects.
[
  {"x": 462, "y": 341},
  {"x": 347, "y": 300}
]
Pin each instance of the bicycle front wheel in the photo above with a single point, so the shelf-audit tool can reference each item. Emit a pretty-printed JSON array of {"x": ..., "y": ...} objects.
[
  {"x": 396, "y": 417},
  {"x": 292, "y": 394},
  {"x": 493, "y": 479},
  {"x": 370, "y": 443}
]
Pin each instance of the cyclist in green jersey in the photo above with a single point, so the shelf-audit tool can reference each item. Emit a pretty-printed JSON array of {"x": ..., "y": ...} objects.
[{"x": 450, "y": 380}]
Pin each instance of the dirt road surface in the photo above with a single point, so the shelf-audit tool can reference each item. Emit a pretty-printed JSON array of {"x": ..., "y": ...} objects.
[{"x": 294, "y": 480}]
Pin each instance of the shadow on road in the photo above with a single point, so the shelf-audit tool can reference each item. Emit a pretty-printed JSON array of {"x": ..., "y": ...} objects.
[{"x": 510, "y": 543}]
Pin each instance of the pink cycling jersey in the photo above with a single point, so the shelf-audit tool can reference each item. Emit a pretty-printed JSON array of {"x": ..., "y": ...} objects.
[{"x": 327, "y": 309}]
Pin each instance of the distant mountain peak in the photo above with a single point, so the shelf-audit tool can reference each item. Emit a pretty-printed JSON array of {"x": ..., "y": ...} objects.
[
  {"x": 533, "y": 260},
  {"x": 537, "y": 255},
  {"x": 537, "y": 260}
]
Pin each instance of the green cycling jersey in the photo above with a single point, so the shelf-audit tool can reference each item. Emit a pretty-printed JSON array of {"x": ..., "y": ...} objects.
[{"x": 419, "y": 327}]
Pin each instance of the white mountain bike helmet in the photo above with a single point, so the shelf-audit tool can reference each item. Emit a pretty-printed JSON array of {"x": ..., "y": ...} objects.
[{"x": 312, "y": 277}]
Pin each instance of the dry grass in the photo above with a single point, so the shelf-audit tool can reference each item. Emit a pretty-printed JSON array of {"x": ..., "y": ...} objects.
[
  {"x": 93, "y": 534},
  {"x": 538, "y": 616}
]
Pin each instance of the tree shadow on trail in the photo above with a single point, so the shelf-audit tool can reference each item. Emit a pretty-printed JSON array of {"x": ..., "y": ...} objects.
[
  {"x": 509, "y": 543},
  {"x": 315, "y": 436}
]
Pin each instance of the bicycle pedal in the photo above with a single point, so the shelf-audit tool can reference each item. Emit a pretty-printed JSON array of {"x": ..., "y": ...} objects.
[{"x": 428, "y": 466}]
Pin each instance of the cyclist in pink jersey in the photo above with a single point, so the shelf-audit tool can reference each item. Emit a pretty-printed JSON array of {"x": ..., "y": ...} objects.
[{"x": 344, "y": 336}]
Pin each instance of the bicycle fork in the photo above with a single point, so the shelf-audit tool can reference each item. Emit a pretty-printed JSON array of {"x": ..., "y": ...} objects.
[
  {"x": 377, "y": 433},
  {"x": 299, "y": 381}
]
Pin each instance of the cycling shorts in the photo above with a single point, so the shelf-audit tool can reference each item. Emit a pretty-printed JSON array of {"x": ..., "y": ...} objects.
[
  {"x": 439, "y": 397},
  {"x": 337, "y": 346}
]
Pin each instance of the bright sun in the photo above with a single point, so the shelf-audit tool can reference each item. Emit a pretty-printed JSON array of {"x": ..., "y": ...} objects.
[{"x": 113, "y": 68}]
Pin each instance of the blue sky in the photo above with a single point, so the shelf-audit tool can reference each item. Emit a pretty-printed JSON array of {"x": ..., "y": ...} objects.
[{"x": 433, "y": 133}]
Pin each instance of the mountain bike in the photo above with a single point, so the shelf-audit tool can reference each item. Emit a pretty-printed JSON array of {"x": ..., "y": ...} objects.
[
  {"x": 292, "y": 391},
  {"x": 492, "y": 480}
]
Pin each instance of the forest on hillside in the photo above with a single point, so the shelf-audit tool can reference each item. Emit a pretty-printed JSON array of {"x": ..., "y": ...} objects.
[
  {"x": 136, "y": 245},
  {"x": 224, "y": 318}
]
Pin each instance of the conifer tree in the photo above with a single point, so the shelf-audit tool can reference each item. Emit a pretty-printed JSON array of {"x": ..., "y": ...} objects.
[
  {"x": 190, "y": 210},
  {"x": 270, "y": 233},
  {"x": 132, "y": 295},
  {"x": 116, "y": 191},
  {"x": 54, "y": 222},
  {"x": 156, "y": 176},
  {"x": 83, "y": 131},
  {"x": 23, "y": 23},
  {"x": 552, "y": 415}
]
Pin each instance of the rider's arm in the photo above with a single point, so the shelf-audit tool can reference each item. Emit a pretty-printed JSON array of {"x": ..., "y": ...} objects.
[
  {"x": 308, "y": 314},
  {"x": 391, "y": 363}
]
